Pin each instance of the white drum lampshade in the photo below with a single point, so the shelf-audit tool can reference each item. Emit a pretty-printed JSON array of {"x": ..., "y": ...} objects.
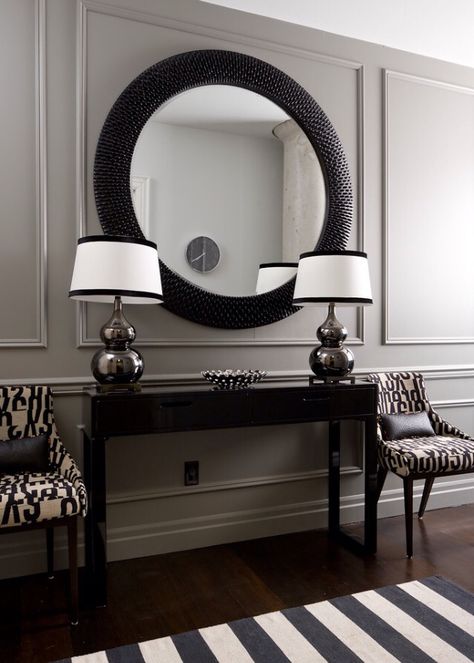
[
  {"x": 110, "y": 266},
  {"x": 339, "y": 277},
  {"x": 272, "y": 275}
]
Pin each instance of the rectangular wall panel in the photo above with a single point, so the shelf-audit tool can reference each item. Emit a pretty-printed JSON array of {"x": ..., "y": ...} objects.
[
  {"x": 429, "y": 223},
  {"x": 23, "y": 173},
  {"x": 136, "y": 41}
]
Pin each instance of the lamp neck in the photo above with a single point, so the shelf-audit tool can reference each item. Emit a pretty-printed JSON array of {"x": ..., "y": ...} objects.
[
  {"x": 118, "y": 306},
  {"x": 117, "y": 332},
  {"x": 331, "y": 333}
]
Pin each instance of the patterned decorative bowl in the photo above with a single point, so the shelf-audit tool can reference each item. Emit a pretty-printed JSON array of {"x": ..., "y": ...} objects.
[{"x": 233, "y": 379}]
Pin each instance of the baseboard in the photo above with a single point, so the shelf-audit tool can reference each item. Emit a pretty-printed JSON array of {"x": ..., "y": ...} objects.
[
  {"x": 24, "y": 553},
  {"x": 187, "y": 533},
  {"x": 445, "y": 493}
]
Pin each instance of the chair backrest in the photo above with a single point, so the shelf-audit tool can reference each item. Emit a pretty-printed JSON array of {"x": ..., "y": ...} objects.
[
  {"x": 401, "y": 393},
  {"x": 26, "y": 411}
]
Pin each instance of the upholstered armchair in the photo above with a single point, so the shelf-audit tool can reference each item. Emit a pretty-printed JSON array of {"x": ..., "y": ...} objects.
[
  {"x": 53, "y": 496},
  {"x": 412, "y": 454}
]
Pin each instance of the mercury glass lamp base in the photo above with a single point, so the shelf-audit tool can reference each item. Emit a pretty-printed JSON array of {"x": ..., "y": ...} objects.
[
  {"x": 331, "y": 359},
  {"x": 117, "y": 363},
  {"x": 331, "y": 362},
  {"x": 117, "y": 366}
]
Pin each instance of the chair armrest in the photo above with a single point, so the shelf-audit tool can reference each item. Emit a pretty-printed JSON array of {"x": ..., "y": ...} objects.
[
  {"x": 379, "y": 429},
  {"x": 444, "y": 428},
  {"x": 63, "y": 463}
]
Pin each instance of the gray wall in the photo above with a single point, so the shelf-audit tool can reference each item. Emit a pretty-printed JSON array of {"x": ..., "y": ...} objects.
[
  {"x": 192, "y": 193},
  {"x": 404, "y": 122}
]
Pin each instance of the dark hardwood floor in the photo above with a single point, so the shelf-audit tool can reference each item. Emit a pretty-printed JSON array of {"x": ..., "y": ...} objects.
[{"x": 156, "y": 596}]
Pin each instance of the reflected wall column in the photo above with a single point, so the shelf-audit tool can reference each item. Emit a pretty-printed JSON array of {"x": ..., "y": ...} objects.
[{"x": 304, "y": 194}]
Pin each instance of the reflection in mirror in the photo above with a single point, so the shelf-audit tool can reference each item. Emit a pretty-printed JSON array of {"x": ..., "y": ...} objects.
[
  {"x": 272, "y": 275},
  {"x": 225, "y": 164}
]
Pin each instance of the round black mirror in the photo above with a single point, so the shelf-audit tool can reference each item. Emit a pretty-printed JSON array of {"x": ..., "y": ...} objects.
[{"x": 122, "y": 129}]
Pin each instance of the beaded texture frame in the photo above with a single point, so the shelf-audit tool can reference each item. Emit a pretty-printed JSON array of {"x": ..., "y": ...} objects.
[{"x": 125, "y": 121}]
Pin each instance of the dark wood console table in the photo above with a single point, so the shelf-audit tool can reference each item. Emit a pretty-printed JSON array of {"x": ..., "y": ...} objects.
[{"x": 170, "y": 409}]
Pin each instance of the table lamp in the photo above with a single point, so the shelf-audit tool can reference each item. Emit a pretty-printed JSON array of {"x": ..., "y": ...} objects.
[
  {"x": 272, "y": 275},
  {"x": 332, "y": 277},
  {"x": 118, "y": 270}
]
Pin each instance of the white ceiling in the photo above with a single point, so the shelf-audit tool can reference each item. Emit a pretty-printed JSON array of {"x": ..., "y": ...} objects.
[
  {"x": 441, "y": 29},
  {"x": 222, "y": 108}
]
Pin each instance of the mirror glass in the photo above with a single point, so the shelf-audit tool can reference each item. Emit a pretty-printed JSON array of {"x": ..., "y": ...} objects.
[{"x": 223, "y": 180}]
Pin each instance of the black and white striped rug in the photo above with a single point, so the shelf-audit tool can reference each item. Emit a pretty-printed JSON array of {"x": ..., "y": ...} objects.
[{"x": 414, "y": 622}]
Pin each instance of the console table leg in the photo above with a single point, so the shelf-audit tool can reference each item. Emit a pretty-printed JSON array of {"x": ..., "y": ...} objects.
[
  {"x": 334, "y": 478},
  {"x": 370, "y": 509},
  {"x": 96, "y": 521}
]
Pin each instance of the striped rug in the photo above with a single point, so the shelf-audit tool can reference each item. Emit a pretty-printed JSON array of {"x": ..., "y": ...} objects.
[{"x": 414, "y": 622}]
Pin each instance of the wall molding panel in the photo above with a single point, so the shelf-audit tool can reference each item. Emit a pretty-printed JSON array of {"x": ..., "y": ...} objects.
[
  {"x": 406, "y": 125},
  {"x": 19, "y": 556},
  {"x": 388, "y": 95},
  {"x": 88, "y": 7},
  {"x": 160, "y": 20},
  {"x": 73, "y": 385},
  {"x": 188, "y": 533},
  {"x": 41, "y": 168},
  {"x": 85, "y": 341},
  {"x": 41, "y": 187},
  {"x": 234, "y": 484}
]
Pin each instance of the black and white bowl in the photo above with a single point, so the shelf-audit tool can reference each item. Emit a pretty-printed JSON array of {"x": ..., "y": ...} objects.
[{"x": 233, "y": 379}]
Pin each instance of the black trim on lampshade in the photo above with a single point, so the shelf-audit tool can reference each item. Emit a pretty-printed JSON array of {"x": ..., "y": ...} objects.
[
  {"x": 335, "y": 300},
  {"x": 309, "y": 254},
  {"x": 117, "y": 238},
  {"x": 278, "y": 264},
  {"x": 115, "y": 293}
]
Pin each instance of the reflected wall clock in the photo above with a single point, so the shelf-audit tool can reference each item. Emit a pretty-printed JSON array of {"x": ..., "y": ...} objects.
[{"x": 203, "y": 254}]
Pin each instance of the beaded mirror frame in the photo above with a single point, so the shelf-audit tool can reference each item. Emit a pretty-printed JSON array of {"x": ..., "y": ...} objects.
[{"x": 125, "y": 121}]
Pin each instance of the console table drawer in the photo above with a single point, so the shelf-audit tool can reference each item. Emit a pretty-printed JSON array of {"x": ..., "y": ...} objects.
[
  {"x": 292, "y": 406},
  {"x": 187, "y": 413},
  {"x": 160, "y": 414},
  {"x": 354, "y": 402}
]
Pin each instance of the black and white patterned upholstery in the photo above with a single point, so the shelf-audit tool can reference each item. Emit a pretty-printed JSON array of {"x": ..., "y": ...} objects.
[
  {"x": 31, "y": 498},
  {"x": 448, "y": 451}
]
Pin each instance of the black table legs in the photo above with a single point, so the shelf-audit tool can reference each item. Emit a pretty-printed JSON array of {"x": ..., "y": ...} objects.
[
  {"x": 371, "y": 489},
  {"x": 96, "y": 521},
  {"x": 369, "y": 544},
  {"x": 334, "y": 479}
]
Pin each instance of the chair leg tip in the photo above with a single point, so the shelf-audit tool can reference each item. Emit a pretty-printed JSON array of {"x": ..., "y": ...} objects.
[
  {"x": 74, "y": 622},
  {"x": 410, "y": 556}
]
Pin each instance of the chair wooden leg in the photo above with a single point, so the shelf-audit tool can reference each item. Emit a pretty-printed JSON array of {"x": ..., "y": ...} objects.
[
  {"x": 73, "y": 577},
  {"x": 50, "y": 551},
  {"x": 381, "y": 476},
  {"x": 424, "y": 498},
  {"x": 408, "y": 492}
]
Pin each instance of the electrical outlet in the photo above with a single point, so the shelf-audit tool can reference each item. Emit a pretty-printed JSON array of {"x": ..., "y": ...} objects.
[{"x": 191, "y": 473}]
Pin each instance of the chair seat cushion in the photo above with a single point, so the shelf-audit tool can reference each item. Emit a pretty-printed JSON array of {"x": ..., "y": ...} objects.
[
  {"x": 36, "y": 497},
  {"x": 427, "y": 455}
]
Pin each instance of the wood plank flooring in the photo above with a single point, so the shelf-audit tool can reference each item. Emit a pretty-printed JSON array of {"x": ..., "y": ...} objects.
[{"x": 156, "y": 596}]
